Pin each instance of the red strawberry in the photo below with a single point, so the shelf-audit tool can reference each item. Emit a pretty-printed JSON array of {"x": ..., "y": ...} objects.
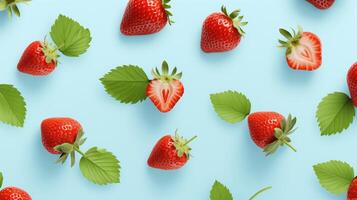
[
  {"x": 165, "y": 90},
  {"x": 303, "y": 50},
  {"x": 144, "y": 17},
  {"x": 222, "y": 32},
  {"x": 39, "y": 59},
  {"x": 269, "y": 130},
  {"x": 57, "y": 131},
  {"x": 352, "y": 190},
  {"x": 170, "y": 152},
  {"x": 322, "y": 4},
  {"x": 352, "y": 83},
  {"x": 14, "y": 193}
]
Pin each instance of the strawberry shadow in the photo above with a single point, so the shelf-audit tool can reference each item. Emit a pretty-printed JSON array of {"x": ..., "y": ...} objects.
[
  {"x": 4, "y": 19},
  {"x": 151, "y": 116},
  {"x": 33, "y": 83},
  {"x": 165, "y": 178},
  {"x": 216, "y": 57}
]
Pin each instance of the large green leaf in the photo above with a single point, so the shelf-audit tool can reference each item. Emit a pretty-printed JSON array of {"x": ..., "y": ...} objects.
[
  {"x": 220, "y": 192},
  {"x": 335, "y": 176},
  {"x": 335, "y": 113},
  {"x": 71, "y": 38},
  {"x": 12, "y": 106},
  {"x": 100, "y": 166},
  {"x": 231, "y": 106},
  {"x": 126, "y": 83}
]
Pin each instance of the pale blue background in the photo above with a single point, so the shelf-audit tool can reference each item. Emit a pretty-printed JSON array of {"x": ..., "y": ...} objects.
[{"x": 222, "y": 151}]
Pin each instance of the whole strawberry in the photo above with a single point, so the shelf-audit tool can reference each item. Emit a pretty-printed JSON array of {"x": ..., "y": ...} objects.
[
  {"x": 352, "y": 83},
  {"x": 322, "y": 4},
  {"x": 166, "y": 89},
  {"x": 144, "y": 17},
  {"x": 352, "y": 190},
  {"x": 170, "y": 152},
  {"x": 269, "y": 130},
  {"x": 303, "y": 49},
  {"x": 69, "y": 37},
  {"x": 222, "y": 31},
  {"x": 13, "y": 193},
  {"x": 39, "y": 59},
  {"x": 65, "y": 136}
]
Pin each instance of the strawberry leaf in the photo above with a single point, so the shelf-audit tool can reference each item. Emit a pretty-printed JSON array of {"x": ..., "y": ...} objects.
[
  {"x": 231, "y": 106},
  {"x": 220, "y": 192},
  {"x": 12, "y": 106},
  {"x": 100, "y": 166},
  {"x": 126, "y": 83},
  {"x": 1, "y": 179},
  {"x": 71, "y": 38},
  {"x": 335, "y": 176},
  {"x": 335, "y": 113}
]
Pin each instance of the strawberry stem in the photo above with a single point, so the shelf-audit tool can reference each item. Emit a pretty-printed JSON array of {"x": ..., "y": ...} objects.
[
  {"x": 290, "y": 146},
  {"x": 260, "y": 191},
  {"x": 190, "y": 140},
  {"x": 78, "y": 150}
]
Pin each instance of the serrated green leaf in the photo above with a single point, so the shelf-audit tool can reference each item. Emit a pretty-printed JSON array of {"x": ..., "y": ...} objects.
[
  {"x": 126, "y": 83},
  {"x": 100, "y": 166},
  {"x": 71, "y": 38},
  {"x": 335, "y": 176},
  {"x": 231, "y": 106},
  {"x": 12, "y": 106},
  {"x": 335, "y": 113},
  {"x": 220, "y": 192}
]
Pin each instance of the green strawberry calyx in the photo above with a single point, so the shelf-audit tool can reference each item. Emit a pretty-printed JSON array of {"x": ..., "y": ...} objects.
[
  {"x": 293, "y": 39},
  {"x": 237, "y": 19},
  {"x": 165, "y": 4},
  {"x": 11, "y": 6},
  {"x": 49, "y": 51},
  {"x": 165, "y": 76},
  {"x": 259, "y": 192},
  {"x": 181, "y": 145},
  {"x": 1, "y": 179},
  {"x": 282, "y": 135},
  {"x": 68, "y": 149}
]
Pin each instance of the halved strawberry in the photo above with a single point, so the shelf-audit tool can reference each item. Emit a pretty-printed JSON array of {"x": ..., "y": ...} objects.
[
  {"x": 303, "y": 49},
  {"x": 166, "y": 89}
]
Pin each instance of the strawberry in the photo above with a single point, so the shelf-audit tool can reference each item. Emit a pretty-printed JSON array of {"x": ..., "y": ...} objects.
[
  {"x": 352, "y": 190},
  {"x": 165, "y": 90},
  {"x": 303, "y": 50},
  {"x": 269, "y": 130},
  {"x": 144, "y": 17},
  {"x": 12, "y": 193},
  {"x": 11, "y": 6},
  {"x": 38, "y": 59},
  {"x": 322, "y": 4},
  {"x": 222, "y": 32},
  {"x": 57, "y": 131},
  {"x": 352, "y": 83},
  {"x": 170, "y": 152}
]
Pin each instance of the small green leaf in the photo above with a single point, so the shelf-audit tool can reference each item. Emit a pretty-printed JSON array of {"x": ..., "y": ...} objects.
[
  {"x": 231, "y": 106},
  {"x": 100, "y": 166},
  {"x": 335, "y": 176},
  {"x": 12, "y": 106},
  {"x": 3, "y": 5},
  {"x": 335, "y": 113},
  {"x": 126, "y": 83},
  {"x": 16, "y": 10},
  {"x": 64, "y": 148},
  {"x": 1, "y": 179},
  {"x": 285, "y": 33},
  {"x": 71, "y": 38},
  {"x": 220, "y": 192}
]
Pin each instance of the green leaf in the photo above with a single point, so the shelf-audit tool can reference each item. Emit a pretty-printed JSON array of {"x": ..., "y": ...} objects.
[
  {"x": 220, "y": 192},
  {"x": 1, "y": 179},
  {"x": 100, "y": 166},
  {"x": 231, "y": 106},
  {"x": 71, "y": 38},
  {"x": 335, "y": 113},
  {"x": 335, "y": 176},
  {"x": 126, "y": 83},
  {"x": 12, "y": 106},
  {"x": 3, "y": 5}
]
